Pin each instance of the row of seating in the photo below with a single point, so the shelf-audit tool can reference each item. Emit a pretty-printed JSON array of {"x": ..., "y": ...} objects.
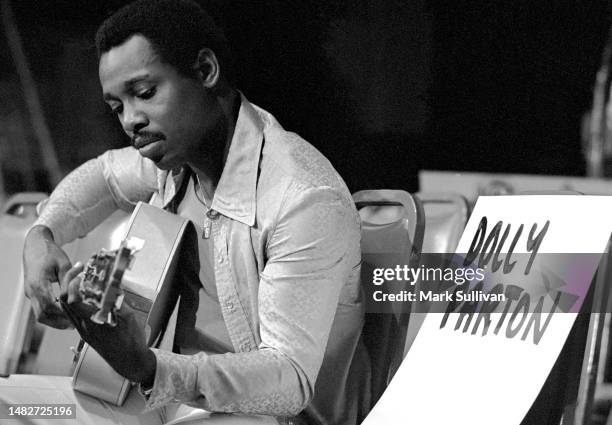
[
  {"x": 16, "y": 325},
  {"x": 396, "y": 228}
]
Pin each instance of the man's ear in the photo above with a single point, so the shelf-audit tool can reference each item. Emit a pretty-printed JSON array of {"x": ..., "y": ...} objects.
[{"x": 207, "y": 67}]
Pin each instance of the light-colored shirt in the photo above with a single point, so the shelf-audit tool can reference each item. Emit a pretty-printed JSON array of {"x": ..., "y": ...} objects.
[
  {"x": 286, "y": 267},
  {"x": 209, "y": 332}
]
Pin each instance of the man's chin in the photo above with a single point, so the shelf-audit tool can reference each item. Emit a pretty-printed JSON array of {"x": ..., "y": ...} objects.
[
  {"x": 164, "y": 163},
  {"x": 159, "y": 160}
]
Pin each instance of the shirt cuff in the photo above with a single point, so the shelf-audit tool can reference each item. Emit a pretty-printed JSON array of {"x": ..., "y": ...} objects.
[
  {"x": 47, "y": 219},
  {"x": 175, "y": 379},
  {"x": 145, "y": 392}
]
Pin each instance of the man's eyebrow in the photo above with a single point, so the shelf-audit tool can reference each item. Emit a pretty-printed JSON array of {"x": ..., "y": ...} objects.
[{"x": 129, "y": 83}]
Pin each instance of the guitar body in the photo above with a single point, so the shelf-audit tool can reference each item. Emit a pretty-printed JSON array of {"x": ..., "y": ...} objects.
[
  {"x": 94, "y": 377},
  {"x": 146, "y": 284}
]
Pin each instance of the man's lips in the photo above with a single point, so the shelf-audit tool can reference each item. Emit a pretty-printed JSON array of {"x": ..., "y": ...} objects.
[{"x": 141, "y": 141}]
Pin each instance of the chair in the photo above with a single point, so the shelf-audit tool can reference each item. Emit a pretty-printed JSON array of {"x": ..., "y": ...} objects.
[
  {"x": 391, "y": 234},
  {"x": 446, "y": 215},
  {"x": 18, "y": 214}
]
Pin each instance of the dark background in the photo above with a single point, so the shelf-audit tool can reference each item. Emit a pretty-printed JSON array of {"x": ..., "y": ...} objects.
[{"x": 382, "y": 88}]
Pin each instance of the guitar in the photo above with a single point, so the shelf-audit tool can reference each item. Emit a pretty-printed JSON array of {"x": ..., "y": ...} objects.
[{"x": 141, "y": 273}]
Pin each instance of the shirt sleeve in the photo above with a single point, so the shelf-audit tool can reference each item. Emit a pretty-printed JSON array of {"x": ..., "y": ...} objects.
[
  {"x": 310, "y": 254},
  {"x": 85, "y": 197}
]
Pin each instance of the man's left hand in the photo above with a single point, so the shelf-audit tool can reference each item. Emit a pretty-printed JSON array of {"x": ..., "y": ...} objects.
[{"x": 123, "y": 346}]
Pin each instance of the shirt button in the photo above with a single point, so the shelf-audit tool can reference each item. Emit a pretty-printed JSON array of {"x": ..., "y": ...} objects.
[
  {"x": 220, "y": 259},
  {"x": 229, "y": 305}
]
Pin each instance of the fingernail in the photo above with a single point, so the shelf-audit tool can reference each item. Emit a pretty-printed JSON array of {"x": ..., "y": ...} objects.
[{"x": 78, "y": 264}]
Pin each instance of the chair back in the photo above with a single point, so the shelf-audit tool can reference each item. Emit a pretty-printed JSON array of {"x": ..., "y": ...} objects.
[
  {"x": 18, "y": 214},
  {"x": 446, "y": 215},
  {"x": 392, "y": 232}
]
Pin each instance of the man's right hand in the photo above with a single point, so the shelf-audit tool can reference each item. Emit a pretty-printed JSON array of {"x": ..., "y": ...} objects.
[{"x": 44, "y": 263}]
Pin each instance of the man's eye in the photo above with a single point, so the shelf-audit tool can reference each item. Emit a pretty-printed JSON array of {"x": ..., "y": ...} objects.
[
  {"x": 146, "y": 94},
  {"x": 116, "y": 109}
]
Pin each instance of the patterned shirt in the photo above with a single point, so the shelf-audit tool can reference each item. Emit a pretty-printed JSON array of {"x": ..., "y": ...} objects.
[{"x": 286, "y": 265}]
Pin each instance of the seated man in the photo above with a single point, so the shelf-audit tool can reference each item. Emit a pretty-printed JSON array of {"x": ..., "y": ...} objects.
[{"x": 271, "y": 325}]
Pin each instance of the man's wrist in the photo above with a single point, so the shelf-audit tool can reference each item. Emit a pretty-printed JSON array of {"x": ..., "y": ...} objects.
[
  {"x": 145, "y": 387},
  {"x": 40, "y": 231},
  {"x": 150, "y": 368}
]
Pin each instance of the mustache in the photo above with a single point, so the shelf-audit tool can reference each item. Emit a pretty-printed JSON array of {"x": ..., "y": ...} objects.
[{"x": 145, "y": 137}]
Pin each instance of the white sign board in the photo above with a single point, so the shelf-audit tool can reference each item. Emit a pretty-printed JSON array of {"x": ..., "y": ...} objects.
[{"x": 490, "y": 371}]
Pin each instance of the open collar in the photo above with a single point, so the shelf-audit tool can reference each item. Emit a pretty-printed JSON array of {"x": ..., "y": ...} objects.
[{"x": 235, "y": 195}]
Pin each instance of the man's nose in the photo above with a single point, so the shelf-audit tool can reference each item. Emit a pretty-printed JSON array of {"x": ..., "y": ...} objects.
[{"x": 133, "y": 120}]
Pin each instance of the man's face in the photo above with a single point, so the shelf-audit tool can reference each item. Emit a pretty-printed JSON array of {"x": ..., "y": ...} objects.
[{"x": 166, "y": 114}]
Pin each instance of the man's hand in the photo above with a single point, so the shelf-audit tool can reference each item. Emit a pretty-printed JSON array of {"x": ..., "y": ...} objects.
[
  {"x": 124, "y": 346},
  {"x": 44, "y": 263}
]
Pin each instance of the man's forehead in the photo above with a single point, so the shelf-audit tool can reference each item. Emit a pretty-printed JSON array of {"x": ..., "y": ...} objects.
[{"x": 131, "y": 57}]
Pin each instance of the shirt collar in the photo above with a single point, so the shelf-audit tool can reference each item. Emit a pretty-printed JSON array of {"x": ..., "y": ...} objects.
[{"x": 235, "y": 195}]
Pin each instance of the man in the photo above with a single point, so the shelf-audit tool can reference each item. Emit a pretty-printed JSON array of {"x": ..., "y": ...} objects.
[{"x": 272, "y": 323}]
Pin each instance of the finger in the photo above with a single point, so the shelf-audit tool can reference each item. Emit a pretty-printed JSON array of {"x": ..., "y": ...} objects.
[
  {"x": 70, "y": 275},
  {"x": 52, "y": 316},
  {"x": 82, "y": 310},
  {"x": 58, "y": 321},
  {"x": 74, "y": 319},
  {"x": 45, "y": 307},
  {"x": 63, "y": 266},
  {"x": 73, "y": 289},
  {"x": 78, "y": 313},
  {"x": 74, "y": 303}
]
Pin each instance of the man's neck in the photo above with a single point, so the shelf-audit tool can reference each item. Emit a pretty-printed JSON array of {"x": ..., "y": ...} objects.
[{"x": 209, "y": 169}]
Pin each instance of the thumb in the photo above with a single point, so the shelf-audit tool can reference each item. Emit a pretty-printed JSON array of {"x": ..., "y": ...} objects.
[
  {"x": 63, "y": 266},
  {"x": 70, "y": 284}
]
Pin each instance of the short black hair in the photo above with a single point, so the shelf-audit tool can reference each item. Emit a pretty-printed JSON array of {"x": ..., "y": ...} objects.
[{"x": 177, "y": 30}]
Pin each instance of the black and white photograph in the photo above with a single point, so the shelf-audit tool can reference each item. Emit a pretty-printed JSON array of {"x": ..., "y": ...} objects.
[{"x": 305, "y": 213}]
